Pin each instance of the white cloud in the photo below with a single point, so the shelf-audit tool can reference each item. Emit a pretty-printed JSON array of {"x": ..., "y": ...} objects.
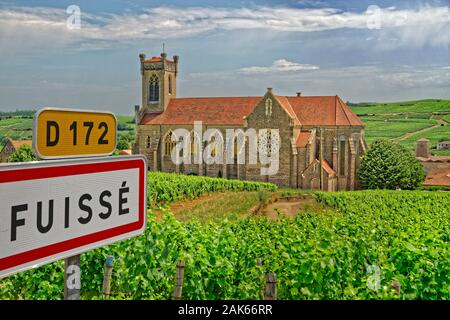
[
  {"x": 25, "y": 27},
  {"x": 281, "y": 65},
  {"x": 356, "y": 83}
]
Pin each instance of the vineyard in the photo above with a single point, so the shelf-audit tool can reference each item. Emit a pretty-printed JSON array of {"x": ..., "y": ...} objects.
[
  {"x": 360, "y": 247},
  {"x": 168, "y": 187}
]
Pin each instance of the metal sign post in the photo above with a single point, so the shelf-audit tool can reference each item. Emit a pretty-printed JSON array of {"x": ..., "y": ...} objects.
[{"x": 58, "y": 134}]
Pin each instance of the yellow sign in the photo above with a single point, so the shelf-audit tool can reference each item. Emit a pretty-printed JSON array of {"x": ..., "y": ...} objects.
[{"x": 67, "y": 133}]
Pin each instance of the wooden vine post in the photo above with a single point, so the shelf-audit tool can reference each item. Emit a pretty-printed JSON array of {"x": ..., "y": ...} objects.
[
  {"x": 177, "y": 291},
  {"x": 107, "y": 276},
  {"x": 271, "y": 286}
]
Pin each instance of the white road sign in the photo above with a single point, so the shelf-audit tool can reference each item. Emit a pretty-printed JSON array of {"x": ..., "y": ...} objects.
[{"x": 51, "y": 210}]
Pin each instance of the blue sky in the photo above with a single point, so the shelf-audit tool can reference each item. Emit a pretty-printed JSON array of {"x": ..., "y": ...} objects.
[{"x": 362, "y": 50}]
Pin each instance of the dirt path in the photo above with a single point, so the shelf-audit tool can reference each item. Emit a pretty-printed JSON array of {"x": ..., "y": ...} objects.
[
  {"x": 280, "y": 206},
  {"x": 290, "y": 207},
  {"x": 178, "y": 206},
  {"x": 409, "y": 134}
]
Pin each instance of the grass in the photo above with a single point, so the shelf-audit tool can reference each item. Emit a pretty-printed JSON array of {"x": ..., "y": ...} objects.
[
  {"x": 434, "y": 135},
  {"x": 16, "y": 128},
  {"x": 393, "y": 129},
  {"x": 419, "y": 106},
  {"x": 441, "y": 153},
  {"x": 394, "y": 126},
  {"x": 394, "y": 120},
  {"x": 446, "y": 118},
  {"x": 229, "y": 205}
]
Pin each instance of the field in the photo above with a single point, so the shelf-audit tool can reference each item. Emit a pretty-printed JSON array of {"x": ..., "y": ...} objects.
[
  {"x": 361, "y": 245},
  {"x": 394, "y": 126},
  {"x": 406, "y": 122},
  {"x": 434, "y": 135},
  {"x": 419, "y": 106},
  {"x": 16, "y": 128}
]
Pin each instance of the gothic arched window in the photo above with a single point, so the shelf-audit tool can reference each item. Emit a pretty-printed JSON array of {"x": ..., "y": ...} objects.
[
  {"x": 170, "y": 84},
  {"x": 154, "y": 89},
  {"x": 269, "y": 105},
  {"x": 169, "y": 144}
]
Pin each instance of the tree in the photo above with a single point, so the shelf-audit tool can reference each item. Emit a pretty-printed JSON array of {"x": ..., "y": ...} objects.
[
  {"x": 123, "y": 144},
  {"x": 23, "y": 154},
  {"x": 388, "y": 165}
]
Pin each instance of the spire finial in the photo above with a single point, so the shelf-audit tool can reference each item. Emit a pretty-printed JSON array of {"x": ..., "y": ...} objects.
[{"x": 163, "y": 53}]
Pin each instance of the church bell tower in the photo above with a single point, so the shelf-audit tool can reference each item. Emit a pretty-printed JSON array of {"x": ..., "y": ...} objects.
[{"x": 159, "y": 83}]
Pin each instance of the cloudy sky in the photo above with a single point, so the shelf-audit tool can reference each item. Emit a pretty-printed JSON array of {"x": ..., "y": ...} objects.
[{"x": 376, "y": 50}]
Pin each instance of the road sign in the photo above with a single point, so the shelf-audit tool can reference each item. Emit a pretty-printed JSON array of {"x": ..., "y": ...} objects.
[
  {"x": 68, "y": 133},
  {"x": 51, "y": 210}
]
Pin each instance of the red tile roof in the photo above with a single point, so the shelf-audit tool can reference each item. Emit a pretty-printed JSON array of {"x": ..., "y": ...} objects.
[
  {"x": 125, "y": 152},
  {"x": 157, "y": 59},
  {"x": 309, "y": 111},
  {"x": 218, "y": 111},
  {"x": 18, "y": 143},
  {"x": 288, "y": 108},
  {"x": 323, "y": 110},
  {"x": 327, "y": 168},
  {"x": 302, "y": 139}
]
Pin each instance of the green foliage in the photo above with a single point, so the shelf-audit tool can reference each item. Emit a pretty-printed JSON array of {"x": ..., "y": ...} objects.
[
  {"x": 168, "y": 187},
  {"x": 125, "y": 140},
  {"x": 23, "y": 154},
  {"x": 388, "y": 165},
  {"x": 16, "y": 128},
  {"x": 17, "y": 113},
  {"x": 262, "y": 198},
  {"x": 315, "y": 256},
  {"x": 394, "y": 128},
  {"x": 446, "y": 118},
  {"x": 123, "y": 144}
]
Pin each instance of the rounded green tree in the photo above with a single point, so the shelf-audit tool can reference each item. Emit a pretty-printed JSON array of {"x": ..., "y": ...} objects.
[
  {"x": 23, "y": 154},
  {"x": 388, "y": 165},
  {"x": 123, "y": 144}
]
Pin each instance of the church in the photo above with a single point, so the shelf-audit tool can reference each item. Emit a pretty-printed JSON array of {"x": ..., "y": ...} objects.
[{"x": 320, "y": 139}]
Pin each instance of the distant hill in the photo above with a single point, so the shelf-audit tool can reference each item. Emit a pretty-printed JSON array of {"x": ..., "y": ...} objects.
[
  {"x": 418, "y": 106},
  {"x": 406, "y": 122}
]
